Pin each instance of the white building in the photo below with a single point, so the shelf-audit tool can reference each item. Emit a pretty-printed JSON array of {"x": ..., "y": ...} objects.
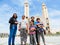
[{"x": 44, "y": 16}]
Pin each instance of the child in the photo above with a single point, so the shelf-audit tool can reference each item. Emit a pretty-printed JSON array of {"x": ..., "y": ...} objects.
[
  {"x": 32, "y": 33},
  {"x": 40, "y": 31}
]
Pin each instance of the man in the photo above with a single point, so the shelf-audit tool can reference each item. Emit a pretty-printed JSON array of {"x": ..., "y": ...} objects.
[
  {"x": 23, "y": 27},
  {"x": 13, "y": 29}
]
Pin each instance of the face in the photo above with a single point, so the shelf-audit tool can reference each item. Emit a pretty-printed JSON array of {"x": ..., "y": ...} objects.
[
  {"x": 38, "y": 20},
  {"x": 15, "y": 15},
  {"x": 41, "y": 26},
  {"x": 32, "y": 18},
  {"x": 23, "y": 17},
  {"x": 31, "y": 23}
]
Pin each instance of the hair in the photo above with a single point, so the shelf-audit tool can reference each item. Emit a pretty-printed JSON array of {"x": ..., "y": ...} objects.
[
  {"x": 30, "y": 22},
  {"x": 26, "y": 17},
  {"x": 14, "y": 14},
  {"x": 37, "y": 19},
  {"x": 32, "y": 17},
  {"x": 23, "y": 16}
]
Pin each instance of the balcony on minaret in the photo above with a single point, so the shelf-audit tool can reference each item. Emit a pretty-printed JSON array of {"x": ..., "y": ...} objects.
[{"x": 26, "y": 8}]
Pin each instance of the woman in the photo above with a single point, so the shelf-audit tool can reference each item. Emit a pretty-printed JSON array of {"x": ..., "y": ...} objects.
[{"x": 13, "y": 29}]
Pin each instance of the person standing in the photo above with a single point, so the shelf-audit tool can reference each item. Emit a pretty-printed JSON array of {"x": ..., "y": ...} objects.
[
  {"x": 39, "y": 31},
  {"x": 13, "y": 29},
  {"x": 32, "y": 33},
  {"x": 23, "y": 28},
  {"x": 32, "y": 19}
]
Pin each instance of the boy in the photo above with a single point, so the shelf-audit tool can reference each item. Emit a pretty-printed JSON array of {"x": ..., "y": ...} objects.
[{"x": 39, "y": 31}]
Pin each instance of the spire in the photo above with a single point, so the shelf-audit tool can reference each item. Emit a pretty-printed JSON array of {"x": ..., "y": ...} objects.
[
  {"x": 26, "y": 1},
  {"x": 26, "y": 8},
  {"x": 45, "y": 16},
  {"x": 44, "y": 10},
  {"x": 43, "y": 4}
]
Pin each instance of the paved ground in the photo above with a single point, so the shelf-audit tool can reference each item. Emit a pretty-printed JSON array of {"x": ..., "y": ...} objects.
[{"x": 50, "y": 40}]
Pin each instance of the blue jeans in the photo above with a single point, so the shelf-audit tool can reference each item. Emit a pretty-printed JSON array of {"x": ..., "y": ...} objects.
[{"x": 13, "y": 30}]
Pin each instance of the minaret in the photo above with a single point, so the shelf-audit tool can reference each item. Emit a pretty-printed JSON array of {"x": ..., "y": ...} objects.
[
  {"x": 26, "y": 8},
  {"x": 45, "y": 17}
]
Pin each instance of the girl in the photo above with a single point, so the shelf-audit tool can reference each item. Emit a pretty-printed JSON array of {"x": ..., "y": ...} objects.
[{"x": 32, "y": 33}]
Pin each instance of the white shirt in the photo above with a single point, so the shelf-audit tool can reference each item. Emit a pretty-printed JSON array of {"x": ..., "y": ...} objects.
[{"x": 23, "y": 23}]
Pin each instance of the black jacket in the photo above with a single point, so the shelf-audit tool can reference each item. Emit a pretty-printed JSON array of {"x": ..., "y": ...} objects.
[{"x": 12, "y": 21}]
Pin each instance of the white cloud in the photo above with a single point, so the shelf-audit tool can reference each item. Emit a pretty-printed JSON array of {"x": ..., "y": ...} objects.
[
  {"x": 5, "y": 13},
  {"x": 5, "y": 7},
  {"x": 54, "y": 20},
  {"x": 4, "y": 28},
  {"x": 55, "y": 23},
  {"x": 41, "y": 1},
  {"x": 20, "y": 2},
  {"x": 54, "y": 12}
]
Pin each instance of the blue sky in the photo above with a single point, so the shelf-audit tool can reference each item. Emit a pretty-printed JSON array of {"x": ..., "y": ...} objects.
[{"x": 8, "y": 7}]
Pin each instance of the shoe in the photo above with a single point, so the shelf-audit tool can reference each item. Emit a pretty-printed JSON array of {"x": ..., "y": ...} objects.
[{"x": 38, "y": 44}]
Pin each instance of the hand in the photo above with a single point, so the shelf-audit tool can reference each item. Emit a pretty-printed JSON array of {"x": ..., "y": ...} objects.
[
  {"x": 45, "y": 32},
  {"x": 27, "y": 28},
  {"x": 19, "y": 29},
  {"x": 32, "y": 28},
  {"x": 16, "y": 22},
  {"x": 28, "y": 33}
]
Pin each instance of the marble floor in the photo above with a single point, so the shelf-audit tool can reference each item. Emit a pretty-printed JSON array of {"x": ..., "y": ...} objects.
[{"x": 50, "y": 40}]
